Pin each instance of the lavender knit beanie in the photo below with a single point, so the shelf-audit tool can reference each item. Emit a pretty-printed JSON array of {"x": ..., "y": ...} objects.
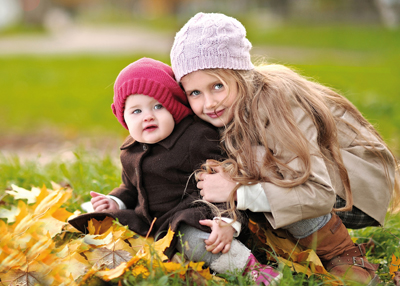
[{"x": 210, "y": 40}]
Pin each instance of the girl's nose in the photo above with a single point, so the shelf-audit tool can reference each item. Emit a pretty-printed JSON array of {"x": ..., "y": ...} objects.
[{"x": 209, "y": 102}]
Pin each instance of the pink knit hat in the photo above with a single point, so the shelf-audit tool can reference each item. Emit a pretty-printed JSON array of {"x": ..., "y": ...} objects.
[
  {"x": 153, "y": 78},
  {"x": 210, "y": 40}
]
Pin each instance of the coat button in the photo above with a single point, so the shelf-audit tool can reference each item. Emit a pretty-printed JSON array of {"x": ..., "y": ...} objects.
[{"x": 144, "y": 147}]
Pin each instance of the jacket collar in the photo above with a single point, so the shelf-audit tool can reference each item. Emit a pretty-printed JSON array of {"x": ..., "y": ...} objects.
[{"x": 168, "y": 142}]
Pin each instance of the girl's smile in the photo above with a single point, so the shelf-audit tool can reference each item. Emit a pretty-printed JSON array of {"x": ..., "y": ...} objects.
[
  {"x": 209, "y": 97},
  {"x": 216, "y": 114}
]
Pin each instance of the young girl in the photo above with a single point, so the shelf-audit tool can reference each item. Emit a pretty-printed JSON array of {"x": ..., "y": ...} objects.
[
  {"x": 165, "y": 146},
  {"x": 297, "y": 149}
]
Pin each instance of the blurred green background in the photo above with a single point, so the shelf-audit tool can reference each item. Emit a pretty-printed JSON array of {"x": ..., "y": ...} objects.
[{"x": 64, "y": 94}]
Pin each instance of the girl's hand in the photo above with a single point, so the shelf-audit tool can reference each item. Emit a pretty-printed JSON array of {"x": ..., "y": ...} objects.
[
  {"x": 221, "y": 236},
  {"x": 217, "y": 187},
  {"x": 100, "y": 202}
]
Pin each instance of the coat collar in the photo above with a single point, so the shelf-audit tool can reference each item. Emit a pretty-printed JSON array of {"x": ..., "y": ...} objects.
[{"x": 168, "y": 142}]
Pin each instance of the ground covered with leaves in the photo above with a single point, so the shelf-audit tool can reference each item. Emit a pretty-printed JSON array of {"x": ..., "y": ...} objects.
[{"x": 39, "y": 247}]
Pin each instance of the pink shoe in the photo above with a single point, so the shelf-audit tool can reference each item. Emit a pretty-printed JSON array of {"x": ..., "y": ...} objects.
[{"x": 262, "y": 273}]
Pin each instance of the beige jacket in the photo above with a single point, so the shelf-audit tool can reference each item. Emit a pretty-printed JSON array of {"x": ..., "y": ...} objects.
[{"x": 370, "y": 188}]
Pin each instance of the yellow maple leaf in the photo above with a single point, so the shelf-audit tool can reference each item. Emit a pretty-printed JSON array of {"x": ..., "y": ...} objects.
[
  {"x": 20, "y": 193},
  {"x": 99, "y": 227},
  {"x": 110, "y": 256},
  {"x": 15, "y": 213},
  {"x": 118, "y": 271},
  {"x": 182, "y": 269},
  {"x": 89, "y": 274},
  {"x": 289, "y": 253},
  {"x": 394, "y": 265},
  {"x": 150, "y": 251},
  {"x": 279, "y": 243},
  {"x": 53, "y": 201},
  {"x": 110, "y": 274},
  {"x": 62, "y": 214},
  {"x": 44, "y": 192},
  {"x": 9, "y": 214},
  {"x": 76, "y": 245},
  {"x": 41, "y": 248},
  {"x": 33, "y": 274},
  {"x": 14, "y": 258},
  {"x": 74, "y": 265},
  {"x": 61, "y": 279},
  {"x": 101, "y": 235},
  {"x": 294, "y": 266},
  {"x": 311, "y": 258},
  {"x": 23, "y": 212},
  {"x": 70, "y": 228},
  {"x": 23, "y": 225},
  {"x": 137, "y": 242}
]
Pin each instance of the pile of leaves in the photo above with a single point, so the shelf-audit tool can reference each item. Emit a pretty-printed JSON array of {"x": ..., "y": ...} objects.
[{"x": 39, "y": 247}]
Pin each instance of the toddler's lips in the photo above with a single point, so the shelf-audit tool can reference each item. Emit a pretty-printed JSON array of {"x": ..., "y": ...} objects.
[
  {"x": 150, "y": 128},
  {"x": 216, "y": 114}
]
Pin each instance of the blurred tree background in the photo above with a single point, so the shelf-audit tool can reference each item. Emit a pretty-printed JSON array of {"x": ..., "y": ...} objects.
[{"x": 59, "y": 58}]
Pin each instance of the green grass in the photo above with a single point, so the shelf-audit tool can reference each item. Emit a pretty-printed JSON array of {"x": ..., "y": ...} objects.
[
  {"x": 345, "y": 37},
  {"x": 73, "y": 93},
  {"x": 86, "y": 172},
  {"x": 21, "y": 28}
]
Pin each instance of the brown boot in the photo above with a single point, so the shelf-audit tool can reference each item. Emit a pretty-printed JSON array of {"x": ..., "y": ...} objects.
[{"x": 339, "y": 255}]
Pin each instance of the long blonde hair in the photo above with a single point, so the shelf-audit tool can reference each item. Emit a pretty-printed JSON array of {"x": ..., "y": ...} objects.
[{"x": 264, "y": 99}]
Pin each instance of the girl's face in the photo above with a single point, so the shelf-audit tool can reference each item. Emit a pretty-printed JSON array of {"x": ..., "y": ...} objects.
[
  {"x": 209, "y": 97},
  {"x": 147, "y": 120}
]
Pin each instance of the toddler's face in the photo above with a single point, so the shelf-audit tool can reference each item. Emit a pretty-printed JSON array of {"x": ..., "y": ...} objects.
[
  {"x": 205, "y": 92},
  {"x": 148, "y": 120}
]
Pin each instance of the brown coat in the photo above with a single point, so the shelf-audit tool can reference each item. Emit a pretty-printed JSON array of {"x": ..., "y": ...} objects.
[
  {"x": 370, "y": 188},
  {"x": 155, "y": 177}
]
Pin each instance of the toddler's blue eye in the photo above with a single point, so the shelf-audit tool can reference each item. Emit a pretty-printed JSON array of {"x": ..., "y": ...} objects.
[
  {"x": 137, "y": 111},
  {"x": 158, "y": 106}
]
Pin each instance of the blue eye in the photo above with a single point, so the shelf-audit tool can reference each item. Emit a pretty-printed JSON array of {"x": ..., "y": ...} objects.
[
  {"x": 195, "y": 92},
  {"x": 218, "y": 86},
  {"x": 136, "y": 111},
  {"x": 158, "y": 106}
]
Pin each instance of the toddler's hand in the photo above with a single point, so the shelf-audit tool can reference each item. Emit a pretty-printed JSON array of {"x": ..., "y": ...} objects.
[
  {"x": 100, "y": 202},
  {"x": 221, "y": 236}
]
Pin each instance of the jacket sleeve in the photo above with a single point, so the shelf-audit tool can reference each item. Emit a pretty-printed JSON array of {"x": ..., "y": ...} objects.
[
  {"x": 371, "y": 168},
  {"x": 316, "y": 196},
  {"x": 126, "y": 192}
]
